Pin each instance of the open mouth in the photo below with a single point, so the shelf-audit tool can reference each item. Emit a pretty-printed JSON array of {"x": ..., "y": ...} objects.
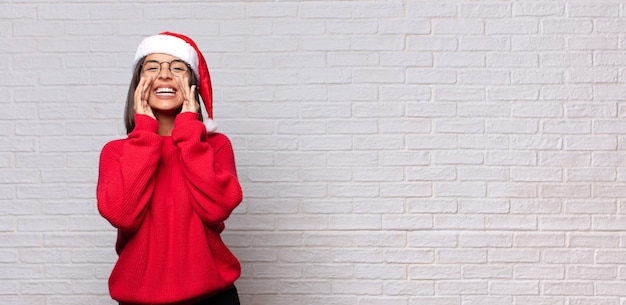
[{"x": 165, "y": 91}]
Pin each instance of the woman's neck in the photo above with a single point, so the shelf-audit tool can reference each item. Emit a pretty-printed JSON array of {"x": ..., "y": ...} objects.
[{"x": 166, "y": 125}]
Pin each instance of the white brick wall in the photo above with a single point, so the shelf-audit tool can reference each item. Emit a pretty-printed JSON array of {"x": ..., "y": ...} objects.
[{"x": 391, "y": 152}]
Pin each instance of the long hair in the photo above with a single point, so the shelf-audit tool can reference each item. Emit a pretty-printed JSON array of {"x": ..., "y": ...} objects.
[{"x": 129, "y": 111}]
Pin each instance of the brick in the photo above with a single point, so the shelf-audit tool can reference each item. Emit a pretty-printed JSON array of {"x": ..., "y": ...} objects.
[
  {"x": 568, "y": 256},
  {"x": 431, "y": 174},
  {"x": 459, "y": 222},
  {"x": 535, "y": 300},
  {"x": 334, "y": 271},
  {"x": 433, "y": 238},
  {"x": 401, "y": 26},
  {"x": 482, "y": 174},
  {"x": 483, "y": 206},
  {"x": 378, "y": 110},
  {"x": 538, "y": 9},
  {"x": 566, "y": 27},
  {"x": 432, "y": 43},
  {"x": 508, "y": 222},
  {"x": 490, "y": 300},
  {"x": 376, "y": 142},
  {"x": 431, "y": 9},
  {"x": 497, "y": 240},
  {"x": 591, "y": 74},
  {"x": 425, "y": 109},
  {"x": 511, "y": 26},
  {"x": 22, "y": 272},
  {"x": 303, "y": 223},
  {"x": 46, "y": 287},
  {"x": 477, "y": 109},
  {"x": 18, "y": 12},
  {"x": 385, "y": 239},
  {"x": 491, "y": 271},
  {"x": 433, "y": 76},
  {"x": 462, "y": 287},
  {"x": 367, "y": 190},
  {"x": 386, "y": 272},
  {"x": 457, "y": 126},
  {"x": 514, "y": 288},
  {"x": 540, "y": 272},
  {"x": 384, "y": 300},
  {"x": 310, "y": 60},
  {"x": 41, "y": 28},
  {"x": 393, "y": 222},
  {"x": 395, "y": 125},
  {"x": 479, "y": 43},
  {"x": 568, "y": 288},
  {"x": 544, "y": 43},
  {"x": 358, "y": 287},
  {"x": 460, "y": 59},
  {"x": 343, "y": 27},
  {"x": 461, "y": 256},
  {"x": 434, "y": 272},
  {"x": 18, "y": 45},
  {"x": 431, "y": 206},
  {"x": 509, "y": 190},
  {"x": 267, "y": 10},
  {"x": 330, "y": 44},
  {"x": 458, "y": 26},
  {"x": 539, "y": 240},
  {"x": 374, "y": 174},
  {"x": 593, "y": 10},
  {"x": 520, "y": 256},
  {"x": 357, "y": 256}
]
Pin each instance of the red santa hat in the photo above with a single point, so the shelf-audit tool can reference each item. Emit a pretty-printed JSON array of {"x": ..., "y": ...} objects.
[{"x": 186, "y": 49}]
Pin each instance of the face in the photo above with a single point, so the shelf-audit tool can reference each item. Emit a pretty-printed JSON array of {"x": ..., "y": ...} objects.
[{"x": 165, "y": 96}]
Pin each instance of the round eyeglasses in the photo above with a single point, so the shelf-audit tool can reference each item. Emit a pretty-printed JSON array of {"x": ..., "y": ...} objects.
[{"x": 177, "y": 67}]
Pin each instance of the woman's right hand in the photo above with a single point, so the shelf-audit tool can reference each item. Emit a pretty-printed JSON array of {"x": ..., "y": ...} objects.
[{"x": 141, "y": 97}]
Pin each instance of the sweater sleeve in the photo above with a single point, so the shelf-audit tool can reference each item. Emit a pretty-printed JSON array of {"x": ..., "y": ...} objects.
[
  {"x": 125, "y": 178},
  {"x": 209, "y": 168}
]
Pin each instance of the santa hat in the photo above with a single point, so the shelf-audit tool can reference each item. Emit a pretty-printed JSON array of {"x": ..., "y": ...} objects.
[{"x": 186, "y": 49}]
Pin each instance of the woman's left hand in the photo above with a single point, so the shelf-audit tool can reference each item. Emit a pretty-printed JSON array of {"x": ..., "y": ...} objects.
[{"x": 189, "y": 95}]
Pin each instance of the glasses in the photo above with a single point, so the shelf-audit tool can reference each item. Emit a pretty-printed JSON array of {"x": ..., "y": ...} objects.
[{"x": 177, "y": 67}]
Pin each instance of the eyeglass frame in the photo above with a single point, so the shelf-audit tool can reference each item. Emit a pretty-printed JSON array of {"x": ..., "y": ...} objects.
[{"x": 169, "y": 66}]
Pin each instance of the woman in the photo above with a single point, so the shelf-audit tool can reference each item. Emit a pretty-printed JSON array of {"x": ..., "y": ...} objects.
[{"x": 170, "y": 185}]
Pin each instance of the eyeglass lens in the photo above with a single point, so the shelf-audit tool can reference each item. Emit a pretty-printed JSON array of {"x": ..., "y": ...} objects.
[{"x": 153, "y": 67}]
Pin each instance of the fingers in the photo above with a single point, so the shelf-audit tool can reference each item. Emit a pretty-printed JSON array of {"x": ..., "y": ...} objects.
[
  {"x": 141, "y": 96},
  {"x": 183, "y": 92},
  {"x": 145, "y": 91},
  {"x": 189, "y": 103},
  {"x": 137, "y": 96}
]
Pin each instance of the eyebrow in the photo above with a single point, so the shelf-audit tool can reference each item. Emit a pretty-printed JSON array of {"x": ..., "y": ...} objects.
[{"x": 156, "y": 61}]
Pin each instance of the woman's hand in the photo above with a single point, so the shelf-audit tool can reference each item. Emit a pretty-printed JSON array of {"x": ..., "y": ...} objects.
[
  {"x": 189, "y": 95},
  {"x": 141, "y": 97}
]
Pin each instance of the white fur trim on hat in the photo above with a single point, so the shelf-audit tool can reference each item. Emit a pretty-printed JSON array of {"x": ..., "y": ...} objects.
[
  {"x": 170, "y": 45},
  {"x": 210, "y": 124}
]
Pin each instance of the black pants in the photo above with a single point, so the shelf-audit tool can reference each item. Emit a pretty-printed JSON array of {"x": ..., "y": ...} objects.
[{"x": 228, "y": 297}]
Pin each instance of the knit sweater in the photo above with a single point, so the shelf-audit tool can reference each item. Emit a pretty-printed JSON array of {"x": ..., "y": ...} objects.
[{"x": 169, "y": 196}]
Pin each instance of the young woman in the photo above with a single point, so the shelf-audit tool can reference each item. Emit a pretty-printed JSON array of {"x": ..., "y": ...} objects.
[{"x": 170, "y": 185}]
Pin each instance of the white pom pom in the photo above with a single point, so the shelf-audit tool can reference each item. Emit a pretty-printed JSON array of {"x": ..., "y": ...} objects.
[{"x": 211, "y": 126}]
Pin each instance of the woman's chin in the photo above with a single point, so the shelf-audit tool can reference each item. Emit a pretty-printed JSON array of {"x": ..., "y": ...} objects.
[{"x": 166, "y": 108}]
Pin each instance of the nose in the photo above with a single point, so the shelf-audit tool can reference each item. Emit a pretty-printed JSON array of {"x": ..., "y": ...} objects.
[{"x": 165, "y": 71}]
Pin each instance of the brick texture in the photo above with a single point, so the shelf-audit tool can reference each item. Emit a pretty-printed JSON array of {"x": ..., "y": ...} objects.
[{"x": 391, "y": 152}]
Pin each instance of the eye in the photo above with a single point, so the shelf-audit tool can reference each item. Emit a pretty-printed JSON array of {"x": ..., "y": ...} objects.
[
  {"x": 151, "y": 67},
  {"x": 179, "y": 67}
]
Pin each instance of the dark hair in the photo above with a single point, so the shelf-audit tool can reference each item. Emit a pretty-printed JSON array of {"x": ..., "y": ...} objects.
[{"x": 129, "y": 111}]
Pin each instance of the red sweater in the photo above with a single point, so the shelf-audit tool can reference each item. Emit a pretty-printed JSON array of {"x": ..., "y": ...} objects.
[{"x": 169, "y": 196}]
